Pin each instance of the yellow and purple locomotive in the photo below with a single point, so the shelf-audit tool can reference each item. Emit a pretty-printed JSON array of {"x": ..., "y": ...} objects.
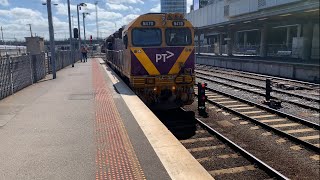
[{"x": 155, "y": 55}]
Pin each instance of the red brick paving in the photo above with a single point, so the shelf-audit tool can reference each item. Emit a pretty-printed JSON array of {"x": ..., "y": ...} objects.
[{"x": 115, "y": 157}]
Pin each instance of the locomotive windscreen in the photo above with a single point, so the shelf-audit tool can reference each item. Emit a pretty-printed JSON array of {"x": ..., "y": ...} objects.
[
  {"x": 142, "y": 37},
  {"x": 178, "y": 37}
]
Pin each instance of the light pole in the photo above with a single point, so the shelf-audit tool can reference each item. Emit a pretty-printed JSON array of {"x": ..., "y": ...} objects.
[
  {"x": 79, "y": 32},
  {"x": 84, "y": 27},
  {"x": 96, "y": 3},
  {"x": 70, "y": 33},
  {"x": 51, "y": 34},
  {"x": 72, "y": 21},
  {"x": 30, "y": 29}
]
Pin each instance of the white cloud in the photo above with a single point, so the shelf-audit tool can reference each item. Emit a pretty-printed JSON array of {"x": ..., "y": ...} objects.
[
  {"x": 126, "y": 1},
  {"x": 104, "y": 15},
  {"x": 189, "y": 3},
  {"x": 15, "y": 23},
  {"x": 52, "y": 1},
  {"x": 156, "y": 8},
  {"x": 24, "y": 13},
  {"x": 4, "y": 3},
  {"x": 120, "y": 7},
  {"x": 62, "y": 9},
  {"x": 127, "y": 19}
]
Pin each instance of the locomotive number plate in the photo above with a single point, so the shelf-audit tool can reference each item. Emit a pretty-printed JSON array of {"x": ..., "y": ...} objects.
[
  {"x": 148, "y": 23},
  {"x": 177, "y": 23}
]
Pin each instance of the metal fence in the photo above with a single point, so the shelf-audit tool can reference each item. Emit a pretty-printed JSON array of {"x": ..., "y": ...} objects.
[
  {"x": 18, "y": 72},
  {"x": 63, "y": 59}
]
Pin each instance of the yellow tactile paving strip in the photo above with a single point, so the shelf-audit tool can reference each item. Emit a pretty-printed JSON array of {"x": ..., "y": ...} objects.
[{"x": 115, "y": 157}]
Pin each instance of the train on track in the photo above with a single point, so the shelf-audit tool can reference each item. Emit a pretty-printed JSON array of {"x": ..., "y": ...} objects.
[{"x": 155, "y": 55}]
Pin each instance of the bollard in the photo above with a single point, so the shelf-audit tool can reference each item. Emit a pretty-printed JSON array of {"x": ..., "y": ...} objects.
[
  {"x": 202, "y": 99},
  {"x": 268, "y": 89}
]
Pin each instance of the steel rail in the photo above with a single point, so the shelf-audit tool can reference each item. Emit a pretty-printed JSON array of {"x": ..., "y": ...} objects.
[
  {"x": 293, "y": 138},
  {"x": 247, "y": 74},
  {"x": 244, "y": 153},
  {"x": 261, "y": 94},
  {"x": 268, "y": 169},
  {"x": 282, "y": 114},
  {"x": 261, "y": 87}
]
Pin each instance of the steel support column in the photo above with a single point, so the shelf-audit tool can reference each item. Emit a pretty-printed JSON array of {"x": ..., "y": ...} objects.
[
  {"x": 307, "y": 40},
  {"x": 220, "y": 43},
  {"x": 199, "y": 43},
  {"x": 288, "y": 39},
  {"x": 245, "y": 39},
  {"x": 230, "y": 42},
  {"x": 263, "y": 41}
]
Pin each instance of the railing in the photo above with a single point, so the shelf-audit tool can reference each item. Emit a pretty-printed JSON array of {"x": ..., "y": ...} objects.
[{"x": 18, "y": 72}]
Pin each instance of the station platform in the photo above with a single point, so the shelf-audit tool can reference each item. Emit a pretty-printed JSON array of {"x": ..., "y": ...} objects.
[
  {"x": 87, "y": 124},
  {"x": 279, "y": 67}
]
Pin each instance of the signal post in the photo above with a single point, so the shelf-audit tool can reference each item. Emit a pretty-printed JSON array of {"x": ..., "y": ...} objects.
[{"x": 202, "y": 98}]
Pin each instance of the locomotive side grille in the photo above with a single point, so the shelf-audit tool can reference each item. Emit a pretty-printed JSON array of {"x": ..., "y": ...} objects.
[
  {"x": 160, "y": 81},
  {"x": 179, "y": 79},
  {"x": 164, "y": 81},
  {"x": 182, "y": 79},
  {"x": 138, "y": 81}
]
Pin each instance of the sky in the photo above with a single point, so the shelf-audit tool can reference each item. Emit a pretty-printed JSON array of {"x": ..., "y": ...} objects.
[{"x": 112, "y": 14}]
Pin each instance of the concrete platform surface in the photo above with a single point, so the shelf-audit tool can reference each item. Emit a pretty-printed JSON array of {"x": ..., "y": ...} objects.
[{"x": 87, "y": 125}]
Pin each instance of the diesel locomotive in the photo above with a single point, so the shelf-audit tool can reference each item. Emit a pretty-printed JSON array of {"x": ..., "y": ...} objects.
[{"x": 155, "y": 55}]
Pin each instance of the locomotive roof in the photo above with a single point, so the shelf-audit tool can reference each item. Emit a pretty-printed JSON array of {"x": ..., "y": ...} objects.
[{"x": 157, "y": 17}]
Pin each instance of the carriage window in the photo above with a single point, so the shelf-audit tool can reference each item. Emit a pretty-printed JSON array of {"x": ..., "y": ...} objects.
[
  {"x": 178, "y": 36},
  {"x": 146, "y": 37}
]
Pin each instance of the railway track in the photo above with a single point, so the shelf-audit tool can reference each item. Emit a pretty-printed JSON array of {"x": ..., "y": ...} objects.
[
  {"x": 261, "y": 77},
  {"x": 257, "y": 90},
  {"x": 296, "y": 129},
  {"x": 224, "y": 159},
  {"x": 315, "y": 99}
]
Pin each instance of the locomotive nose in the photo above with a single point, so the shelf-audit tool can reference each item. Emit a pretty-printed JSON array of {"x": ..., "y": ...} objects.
[{"x": 165, "y": 94}]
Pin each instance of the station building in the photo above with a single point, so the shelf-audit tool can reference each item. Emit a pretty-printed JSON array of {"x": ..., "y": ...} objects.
[
  {"x": 173, "y": 6},
  {"x": 258, "y": 27}
]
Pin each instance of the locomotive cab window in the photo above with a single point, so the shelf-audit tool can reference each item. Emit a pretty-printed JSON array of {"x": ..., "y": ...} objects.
[
  {"x": 146, "y": 37},
  {"x": 178, "y": 36}
]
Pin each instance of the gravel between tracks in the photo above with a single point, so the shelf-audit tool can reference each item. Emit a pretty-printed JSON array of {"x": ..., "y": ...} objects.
[{"x": 292, "y": 163}]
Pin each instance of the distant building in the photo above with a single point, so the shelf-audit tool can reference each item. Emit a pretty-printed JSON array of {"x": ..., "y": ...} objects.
[
  {"x": 288, "y": 28},
  {"x": 173, "y": 6},
  {"x": 197, "y": 4}
]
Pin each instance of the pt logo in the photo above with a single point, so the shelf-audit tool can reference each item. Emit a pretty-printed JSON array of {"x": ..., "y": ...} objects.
[{"x": 164, "y": 57}]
